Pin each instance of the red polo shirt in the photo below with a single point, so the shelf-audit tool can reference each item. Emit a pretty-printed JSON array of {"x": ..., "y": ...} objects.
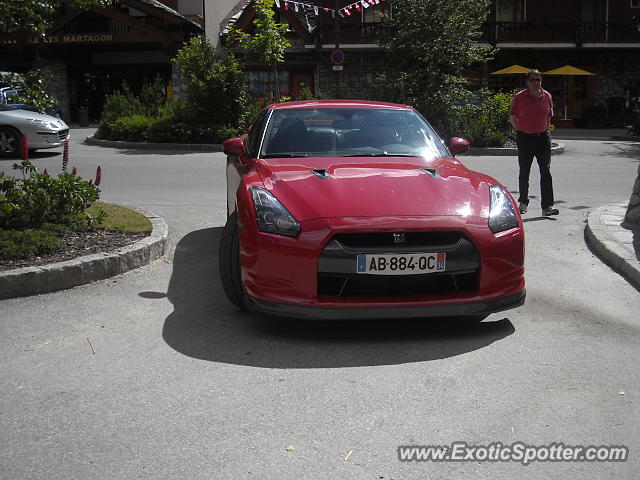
[{"x": 533, "y": 114}]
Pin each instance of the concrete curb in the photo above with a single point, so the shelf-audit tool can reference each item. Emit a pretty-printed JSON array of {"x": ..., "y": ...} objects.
[
  {"x": 556, "y": 149},
  {"x": 613, "y": 243},
  {"x": 22, "y": 282},
  {"x": 196, "y": 147}
]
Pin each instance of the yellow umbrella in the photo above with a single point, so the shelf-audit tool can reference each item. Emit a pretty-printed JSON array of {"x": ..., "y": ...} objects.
[
  {"x": 511, "y": 70},
  {"x": 567, "y": 70}
]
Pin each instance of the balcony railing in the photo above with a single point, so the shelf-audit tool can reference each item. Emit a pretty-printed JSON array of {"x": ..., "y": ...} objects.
[
  {"x": 503, "y": 32},
  {"x": 350, "y": 33},
  {"x": 566, "y": 32}
]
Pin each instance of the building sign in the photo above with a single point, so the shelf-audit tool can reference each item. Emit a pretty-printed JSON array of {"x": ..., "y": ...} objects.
[{"x": 73, "y": 38}]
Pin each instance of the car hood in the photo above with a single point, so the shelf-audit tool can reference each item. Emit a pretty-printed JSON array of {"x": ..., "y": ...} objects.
[
  {"x": 27, "y": 114},
  {"x": 391, "y": 186}
]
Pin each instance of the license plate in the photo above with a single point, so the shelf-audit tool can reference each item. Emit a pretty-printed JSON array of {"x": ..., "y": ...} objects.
[{"x": 401, "y": 264}]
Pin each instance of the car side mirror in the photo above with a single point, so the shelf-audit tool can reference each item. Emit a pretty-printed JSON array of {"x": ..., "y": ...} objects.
[
  {"x": 458, "y": 145},
  {"x": 234, "y": 146}
]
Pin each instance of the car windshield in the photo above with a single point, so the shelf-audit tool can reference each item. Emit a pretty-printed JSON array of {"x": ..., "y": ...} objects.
[{"x": 349, "y": 132}]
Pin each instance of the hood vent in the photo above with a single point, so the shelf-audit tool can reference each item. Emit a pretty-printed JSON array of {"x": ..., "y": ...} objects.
[
  {"x": 321, "y": 172},
  {"x": 431, "y": 171}
]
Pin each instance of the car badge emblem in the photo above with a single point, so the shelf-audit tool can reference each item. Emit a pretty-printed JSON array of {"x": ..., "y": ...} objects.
[{"x": 399, "y": 238}]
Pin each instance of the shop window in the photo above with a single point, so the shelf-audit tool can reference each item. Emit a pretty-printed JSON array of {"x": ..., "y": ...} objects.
[
  {"x": 510, "y": 11},
  {"x": 635, "y": 3},
  {"x": 372, "y": 14},
  {"x": 261, "y": 83}
]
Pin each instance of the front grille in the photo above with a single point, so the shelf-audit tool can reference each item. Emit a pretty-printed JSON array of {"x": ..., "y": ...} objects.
[
  {"x": 337, "y": 265},
  {"x": 405, "y": 286},
  {"x": 63, "y": 134},
  {"x": 384, "y": 240}
]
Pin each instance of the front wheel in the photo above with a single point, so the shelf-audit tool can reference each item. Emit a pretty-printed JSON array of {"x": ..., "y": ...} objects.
[
  {"x": 229, "y": 262},
  {"x": 10, "y": 142}
]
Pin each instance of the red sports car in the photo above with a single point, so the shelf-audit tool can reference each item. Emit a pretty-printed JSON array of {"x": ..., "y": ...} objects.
[{"x": 353, "y": 209}]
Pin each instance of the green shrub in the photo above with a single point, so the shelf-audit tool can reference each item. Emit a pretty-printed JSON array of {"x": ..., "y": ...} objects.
[
  {"x": 120, "y": 104},
  {"x": 483, "y": 119},
  {"x": 22, "y": 244},
  {"x": 36, "y": 199},
  {"x": 133, "y": 128},
  {"x": 214, "y": 83},
  {"x": 153, "y": 97}
]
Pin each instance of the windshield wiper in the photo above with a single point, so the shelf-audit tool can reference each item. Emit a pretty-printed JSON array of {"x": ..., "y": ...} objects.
[{"x": 285, "y": 155}]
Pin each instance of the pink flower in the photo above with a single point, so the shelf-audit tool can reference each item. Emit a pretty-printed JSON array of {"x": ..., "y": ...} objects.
[
  {"x": 74, "y": 171},
  {"x": 45, "y": 173},
  {"x": 98, "y": 176},
  {"x": 65, "y": 155}
]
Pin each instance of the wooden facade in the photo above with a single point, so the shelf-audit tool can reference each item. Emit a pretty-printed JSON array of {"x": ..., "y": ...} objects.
[
  {"x": 600, "y": 36},
  {"x": 91, "y": 52}
]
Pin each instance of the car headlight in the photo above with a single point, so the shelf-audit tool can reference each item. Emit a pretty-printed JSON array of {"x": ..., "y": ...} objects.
[
  {"x": 502, "y": 215},
  {"x": 272, "y": 216},
  {"x": 39, "y": 123}
]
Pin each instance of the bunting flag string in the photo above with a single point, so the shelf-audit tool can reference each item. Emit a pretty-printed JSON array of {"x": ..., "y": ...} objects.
[{"x": 343, "y": 12}]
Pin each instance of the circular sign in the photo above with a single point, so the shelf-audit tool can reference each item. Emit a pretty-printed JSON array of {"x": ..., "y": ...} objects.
[{"x": 337, "y": 57}]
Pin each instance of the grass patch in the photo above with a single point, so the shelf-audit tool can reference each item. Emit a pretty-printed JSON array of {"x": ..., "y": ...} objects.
[
  {"x": 46, "y": 240},
  {"x": 120, "y": 218}
]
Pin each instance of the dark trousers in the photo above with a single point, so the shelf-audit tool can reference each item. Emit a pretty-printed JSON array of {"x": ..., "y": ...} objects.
[{"x": 539, "y": 146}]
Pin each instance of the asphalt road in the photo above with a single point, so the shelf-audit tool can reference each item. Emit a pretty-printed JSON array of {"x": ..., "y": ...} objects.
[{"x": 154, "y": 374}]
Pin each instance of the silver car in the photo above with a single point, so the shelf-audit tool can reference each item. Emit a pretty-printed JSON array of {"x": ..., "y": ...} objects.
[{"x": 42, "y": 131}]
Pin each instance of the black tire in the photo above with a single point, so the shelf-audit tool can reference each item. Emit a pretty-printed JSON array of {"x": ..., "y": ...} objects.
[
  {"x": 229, "y": 262},
  {"x": 10, "y": 142}
]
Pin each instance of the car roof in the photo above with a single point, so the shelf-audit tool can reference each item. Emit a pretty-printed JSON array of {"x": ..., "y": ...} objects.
[{"x": 337, "y": 104}]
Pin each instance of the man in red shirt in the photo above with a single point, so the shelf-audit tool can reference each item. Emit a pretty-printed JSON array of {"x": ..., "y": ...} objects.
[{"x": 530, "y": 114}]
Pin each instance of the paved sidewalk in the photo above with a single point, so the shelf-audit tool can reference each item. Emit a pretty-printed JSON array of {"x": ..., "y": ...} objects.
[
  {"x": 591, "y": 134},
  {"x": 617, "y": 246}
]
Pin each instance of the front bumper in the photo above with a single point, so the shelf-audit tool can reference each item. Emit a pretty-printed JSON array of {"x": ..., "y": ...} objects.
[
  {"x": 284, "y": 276},
  {"x": 317, "y": 313},
  {"x": 47, "y": 139}
]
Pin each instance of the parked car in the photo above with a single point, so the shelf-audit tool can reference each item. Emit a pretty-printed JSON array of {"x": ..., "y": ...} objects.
[
  {"x": 9, "y": 95},
  {"x": 42, "y": 131},
  {"x": 351, "y": 209}
]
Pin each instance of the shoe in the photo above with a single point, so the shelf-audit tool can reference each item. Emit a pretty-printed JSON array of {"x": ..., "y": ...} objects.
[
  {"x": 547, "y": 212},
  {"x": 523, "y": 208}
]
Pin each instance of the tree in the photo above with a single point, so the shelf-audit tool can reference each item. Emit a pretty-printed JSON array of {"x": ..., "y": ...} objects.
[
  {"x": 429, "y": 44},
  {"x": 36, "y": 15},
  {"x": 268, "y": 42},
  {"x": 32, "y": 87},
  {"x": 215, "y": 89}
]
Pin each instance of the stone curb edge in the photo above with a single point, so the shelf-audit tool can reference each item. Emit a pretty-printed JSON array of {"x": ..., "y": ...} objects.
[
  {"x": 611, "y": 253},
  {"x": 198, "y": 147},
  {"x": 555, "y": 150},
  {"x": 22, "y": 282}
]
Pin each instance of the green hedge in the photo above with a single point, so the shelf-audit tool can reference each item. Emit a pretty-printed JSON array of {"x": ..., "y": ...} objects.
[
  {"x": 166, "y": 129},
  {"x": 483, "y": 119}
]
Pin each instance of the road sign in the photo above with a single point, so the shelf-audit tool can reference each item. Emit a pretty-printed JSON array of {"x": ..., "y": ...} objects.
[{"x": 337, "y": 57}]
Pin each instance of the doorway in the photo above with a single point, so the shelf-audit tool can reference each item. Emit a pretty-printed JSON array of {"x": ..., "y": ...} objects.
[{"x": 299, "y": 81}]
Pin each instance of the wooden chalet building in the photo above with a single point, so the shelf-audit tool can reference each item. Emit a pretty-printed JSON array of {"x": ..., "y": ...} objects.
[
  {"x": 598, "y": 36},
  {"x": 91, "y": 52}
]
